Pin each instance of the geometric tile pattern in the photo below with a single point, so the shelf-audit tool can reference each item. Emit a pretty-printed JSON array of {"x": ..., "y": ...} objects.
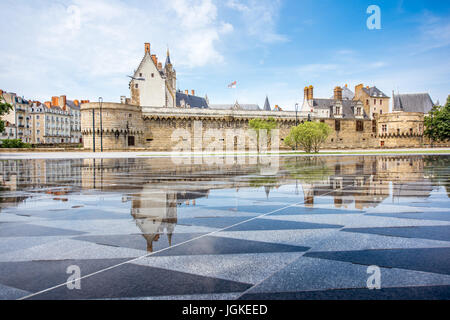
[{"x": 140, "y": 229}]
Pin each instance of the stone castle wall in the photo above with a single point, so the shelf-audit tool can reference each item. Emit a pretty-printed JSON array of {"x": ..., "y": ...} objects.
[
  {"x": 126, "y": 127},
  {"x": 118, "y": 123}
]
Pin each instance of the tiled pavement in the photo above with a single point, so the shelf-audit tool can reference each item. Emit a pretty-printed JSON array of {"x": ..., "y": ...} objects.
[{"x": 230, "y": 245}]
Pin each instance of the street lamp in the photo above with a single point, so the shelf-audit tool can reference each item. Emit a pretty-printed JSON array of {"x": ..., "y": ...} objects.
[
  {"x": 93, "y": 128},
  {"x": 100, "y": 100},
  {"x": 296, "y": 122}
]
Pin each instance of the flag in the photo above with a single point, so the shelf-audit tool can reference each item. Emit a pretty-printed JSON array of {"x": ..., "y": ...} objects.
[{"x": 232, "y": 85}]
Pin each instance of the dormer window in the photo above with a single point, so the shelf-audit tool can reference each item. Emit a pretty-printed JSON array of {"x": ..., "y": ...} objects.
[
  {"x": 358, "y": 111},
  {"x": 337, "y": 110}
]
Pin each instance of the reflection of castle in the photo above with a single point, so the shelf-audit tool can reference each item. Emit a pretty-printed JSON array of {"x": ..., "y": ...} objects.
[
  {"x": 155, "y": 211},
  {"x": 55, "y": 177},
  {"x": 156, "y": 189},
  {"x": 366, "y": 181}
]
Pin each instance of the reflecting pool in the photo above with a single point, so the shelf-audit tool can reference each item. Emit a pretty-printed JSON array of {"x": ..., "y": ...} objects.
[{"x": 329, "y": 227}]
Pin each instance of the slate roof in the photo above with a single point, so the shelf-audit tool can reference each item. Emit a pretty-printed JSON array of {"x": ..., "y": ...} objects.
[
  {"x": 72, "y": 105},
  {"x": 348, "y": 106},
  {"x": 412, "y": 102},
  {"x": 267, "y": 104},
  {"x": 347, "y": 94},
  {"x": 193, "y": 101},
  {"x": 375, "y": 92},
  {"x": 248, "y": 107}
]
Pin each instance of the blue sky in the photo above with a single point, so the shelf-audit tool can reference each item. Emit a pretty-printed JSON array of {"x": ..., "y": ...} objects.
[{"x": 85, "y": 49}]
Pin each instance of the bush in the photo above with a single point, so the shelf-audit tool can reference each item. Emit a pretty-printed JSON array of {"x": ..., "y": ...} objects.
[
  {"x": 309, "y": 136},
  {"x": 14, "y": 143}
]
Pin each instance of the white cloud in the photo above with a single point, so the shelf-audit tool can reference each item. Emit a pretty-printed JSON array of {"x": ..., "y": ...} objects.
[
  {"x": 259, "y": 18},
  {"x": 54, "y": 45}
]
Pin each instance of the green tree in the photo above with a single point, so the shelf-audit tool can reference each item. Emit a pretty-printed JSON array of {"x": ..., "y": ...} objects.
[
  {"x": 4, "y": 109},
  {"x": 262, "y": 124},
  {"x": 437, "y": 123},
  {"x": 309, "y": 136},
  {"x": 14, "y": 143}
]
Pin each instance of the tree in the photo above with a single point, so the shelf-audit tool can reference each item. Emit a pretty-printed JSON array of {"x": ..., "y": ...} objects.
[
  {"x": 262, "y": 124},
  {"x": 4, "y": 109},
  {"x": 309, "y": 135},
  {"x": 437, "y": 123}
]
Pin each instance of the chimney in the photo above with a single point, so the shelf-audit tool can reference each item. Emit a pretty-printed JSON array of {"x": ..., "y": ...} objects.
[
  {"x": 310, "y": 93},
  {"x": 337, "y": 93},
  {"x": 123, "y": 99},
  {"x": 159, "y": 66},
  {"x": 147, "y": 47},
  {"x": 306, "y": 95},
  {"x": 48, "y": 104},
  {"x": 367, "y": 87},
  {"x": 62, "y": 102},
  {"x": 55, "y": 101},
  {"x": 186, "y": 92},
  {"x": 155, "y": 59},
  {"x": 193, "y": 92},
  {"x": 358, "y": 89},
  {"x": 1, "y": 92},
  {"x": 76, "y": 102},
  {"x": 346, "y": 85}
]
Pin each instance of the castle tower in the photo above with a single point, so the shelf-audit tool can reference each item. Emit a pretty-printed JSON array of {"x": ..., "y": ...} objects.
[
  {"x": 171, "y": 82},
  {"x": 147, "y": 87}
]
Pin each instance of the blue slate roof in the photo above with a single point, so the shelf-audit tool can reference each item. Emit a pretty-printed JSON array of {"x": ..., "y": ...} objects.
[{"x": 192, "y": 101}]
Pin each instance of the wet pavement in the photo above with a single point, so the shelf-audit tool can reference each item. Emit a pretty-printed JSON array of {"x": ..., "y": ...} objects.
[{"x": 226, "y": 228}]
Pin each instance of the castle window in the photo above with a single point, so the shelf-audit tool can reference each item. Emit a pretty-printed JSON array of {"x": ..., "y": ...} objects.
[
  {"x": 140, "y": 74},
  {"x": 381, "y": 102},
  {"x": 337, "y": 125},
  {"x": 338, "y": 110},
  {"x": 153, "y": 75},
  {"x": 381, "y": 111},
  {"x": 136, "y": 85},
  {"x": 359, "y": 125}
]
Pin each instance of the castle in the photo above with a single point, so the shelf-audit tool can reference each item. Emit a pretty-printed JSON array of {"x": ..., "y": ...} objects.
[{"x": 155, "y": 109}]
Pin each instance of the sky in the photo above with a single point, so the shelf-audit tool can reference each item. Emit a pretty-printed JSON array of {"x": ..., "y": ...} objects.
[{"x": 86, "y": 48}]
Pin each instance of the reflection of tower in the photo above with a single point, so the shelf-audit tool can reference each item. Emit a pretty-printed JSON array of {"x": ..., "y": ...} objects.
[
  {"x": 155, "y": 212},
  {"x": 308, "y": 194}
]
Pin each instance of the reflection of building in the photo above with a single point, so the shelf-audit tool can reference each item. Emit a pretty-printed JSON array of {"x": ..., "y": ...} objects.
[
  {"x": 155, "y": 211},
  {"x": 56, "y": 177},
  {"x": 366, "y": 181}
]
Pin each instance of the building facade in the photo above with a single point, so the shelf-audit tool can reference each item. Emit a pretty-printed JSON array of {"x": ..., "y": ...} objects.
[
  {"x": 158, "y": 117},
  {"x": 54, "y": 122}
]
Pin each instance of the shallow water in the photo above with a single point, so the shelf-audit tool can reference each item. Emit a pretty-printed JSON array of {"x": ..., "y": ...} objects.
[{"x": 225, "y": 228}]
